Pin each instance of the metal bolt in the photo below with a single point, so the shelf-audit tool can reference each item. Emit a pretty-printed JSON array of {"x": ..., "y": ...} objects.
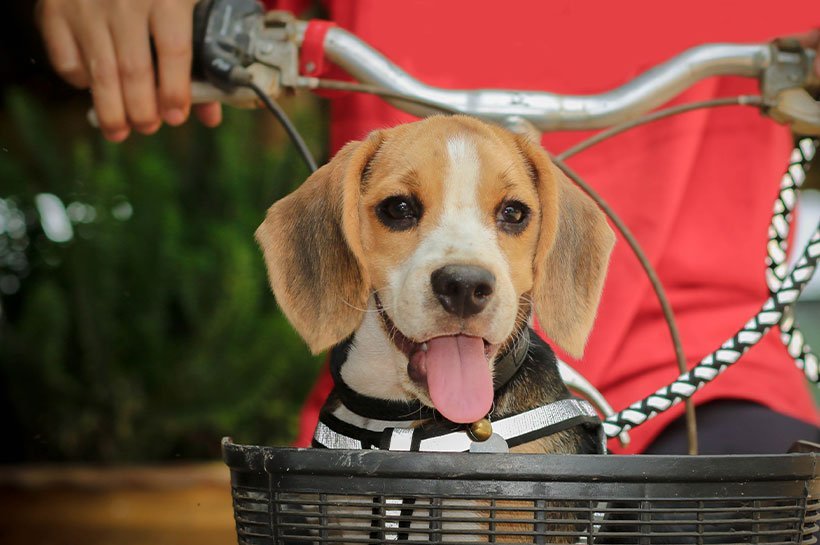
[{"x": 310, "y": 67}]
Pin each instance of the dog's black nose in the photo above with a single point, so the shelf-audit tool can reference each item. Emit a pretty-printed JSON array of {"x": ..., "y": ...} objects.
[{"x": 463, "y": 290}]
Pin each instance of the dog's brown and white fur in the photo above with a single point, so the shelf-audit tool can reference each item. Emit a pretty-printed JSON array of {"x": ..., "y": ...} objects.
[{"x": 484, "y": 198}]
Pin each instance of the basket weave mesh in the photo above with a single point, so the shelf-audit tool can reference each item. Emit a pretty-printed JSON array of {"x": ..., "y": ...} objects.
[{"x": 289, "y": 496}]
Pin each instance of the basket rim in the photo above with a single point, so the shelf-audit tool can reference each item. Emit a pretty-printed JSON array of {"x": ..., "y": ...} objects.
[{"x": 519, "y": 467}]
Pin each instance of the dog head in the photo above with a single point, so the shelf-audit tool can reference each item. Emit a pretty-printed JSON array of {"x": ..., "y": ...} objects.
[{"x": 441, "y": 236}]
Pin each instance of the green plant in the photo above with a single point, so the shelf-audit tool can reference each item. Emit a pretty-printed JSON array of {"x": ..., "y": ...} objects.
[{"x": 151, "y": 332}]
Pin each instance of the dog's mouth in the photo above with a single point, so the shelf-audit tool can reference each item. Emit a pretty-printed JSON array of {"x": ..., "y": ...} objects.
[{"x": 455, "y": 370}]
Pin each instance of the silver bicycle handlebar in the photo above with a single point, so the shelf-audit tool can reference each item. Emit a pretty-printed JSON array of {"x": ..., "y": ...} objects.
[
  {"x": 784, "y": 69},
  {"x": 550, "y": 111}
]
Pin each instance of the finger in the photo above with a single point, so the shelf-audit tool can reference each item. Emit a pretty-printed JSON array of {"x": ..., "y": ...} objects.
[
  {"x": 209, "y": 114},
  {"x": 97, "y": 49},
  {"x": 171, "y": 24},
  {"x": 61, "y": 46},
  {"x": 136, "y": 72}
]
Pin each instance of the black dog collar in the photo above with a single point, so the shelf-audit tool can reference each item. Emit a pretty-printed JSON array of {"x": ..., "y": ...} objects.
[{"x": 507, "y": 366}]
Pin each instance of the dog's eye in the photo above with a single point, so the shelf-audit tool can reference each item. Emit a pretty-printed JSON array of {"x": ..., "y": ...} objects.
[
  {"x": 513, "y": 216},
  {"x": 399, "y": 213}
]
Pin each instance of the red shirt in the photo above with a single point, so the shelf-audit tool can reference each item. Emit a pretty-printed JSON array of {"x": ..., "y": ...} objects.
[{"x": 697, "y": 189}]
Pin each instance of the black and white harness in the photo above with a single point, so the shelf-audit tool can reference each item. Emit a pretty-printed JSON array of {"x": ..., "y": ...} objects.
[{"x": 362, "y": 422}]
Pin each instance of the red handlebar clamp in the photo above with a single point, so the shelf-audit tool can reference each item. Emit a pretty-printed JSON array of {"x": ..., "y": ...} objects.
[{"x": 312, "y": 53}]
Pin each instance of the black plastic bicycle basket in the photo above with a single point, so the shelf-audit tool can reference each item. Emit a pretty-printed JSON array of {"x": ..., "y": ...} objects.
[{"x": 286, "y": 495}]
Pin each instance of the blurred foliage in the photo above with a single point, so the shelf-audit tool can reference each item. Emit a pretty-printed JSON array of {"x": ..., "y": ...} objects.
[{"x": 152, "y": 332}]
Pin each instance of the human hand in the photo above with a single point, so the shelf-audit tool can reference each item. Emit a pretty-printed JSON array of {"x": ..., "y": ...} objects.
[{"x": 104, "y": 45}]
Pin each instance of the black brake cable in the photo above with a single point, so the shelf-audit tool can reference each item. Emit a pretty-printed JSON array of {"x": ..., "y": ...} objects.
[
  {"x": 282, "y": 117},
  {"x": 741, "y": 100},
  {"x": 339, "y": 85}
]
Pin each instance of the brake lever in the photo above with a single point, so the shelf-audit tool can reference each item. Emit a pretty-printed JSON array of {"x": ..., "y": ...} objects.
[
  {"x": 232, "y": 37},
  {"x": 786, "y": 84}
]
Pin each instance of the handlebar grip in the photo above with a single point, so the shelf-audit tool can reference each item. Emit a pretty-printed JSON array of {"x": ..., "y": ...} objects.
[{"x": 202, "y": 92}]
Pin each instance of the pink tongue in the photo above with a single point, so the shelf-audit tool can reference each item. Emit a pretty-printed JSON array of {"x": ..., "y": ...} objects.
[{"x": 458, "y": 378}]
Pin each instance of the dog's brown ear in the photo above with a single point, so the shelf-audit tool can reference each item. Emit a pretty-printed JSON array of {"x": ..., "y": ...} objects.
[
  {"x": 313, "y": 251},
  {"x": 572, "y": 254}
]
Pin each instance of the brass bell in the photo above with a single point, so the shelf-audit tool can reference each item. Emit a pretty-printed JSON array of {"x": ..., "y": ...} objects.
[{"x": 481, "y": 430}]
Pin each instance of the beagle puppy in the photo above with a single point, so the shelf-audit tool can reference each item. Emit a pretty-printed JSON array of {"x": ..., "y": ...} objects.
[
  {"x": 420, "y": 254},
  {"x": 431, "y": 244}
]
